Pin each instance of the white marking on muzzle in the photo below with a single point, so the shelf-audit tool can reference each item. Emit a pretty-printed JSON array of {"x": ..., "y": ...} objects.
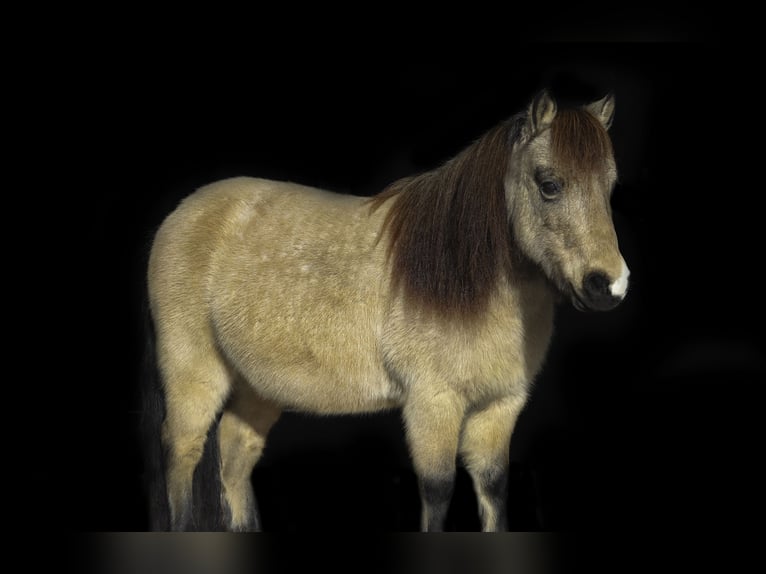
[{"x": 620, "y": 286}]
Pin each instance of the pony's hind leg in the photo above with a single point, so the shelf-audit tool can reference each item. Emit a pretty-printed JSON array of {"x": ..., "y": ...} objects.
[
  {"x": 484, "y": 447},
  {"x": 194, "y": 395},
  {"x": 242, "y": 435}
]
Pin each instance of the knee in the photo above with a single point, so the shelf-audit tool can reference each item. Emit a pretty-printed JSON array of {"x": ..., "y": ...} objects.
[
  {"x": 437, "y": 489},
  {"x": 183, "y": 450},
  {"x": 494, "y": 481}
]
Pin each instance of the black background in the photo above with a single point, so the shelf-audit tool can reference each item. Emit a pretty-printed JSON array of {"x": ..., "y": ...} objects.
[{"x": 644, "y": 416}]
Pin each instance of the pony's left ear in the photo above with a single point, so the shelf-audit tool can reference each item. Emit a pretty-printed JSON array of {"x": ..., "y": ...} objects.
[{"x": 603, "y": 109}]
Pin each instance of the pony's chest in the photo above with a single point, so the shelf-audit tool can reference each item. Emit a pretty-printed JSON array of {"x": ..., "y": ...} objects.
[{"x": 489, "y": 357}]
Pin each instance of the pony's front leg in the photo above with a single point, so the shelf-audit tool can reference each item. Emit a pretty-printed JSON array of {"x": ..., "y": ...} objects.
[
  {"x": 433, "y": 425},
  {"x": 484, "y": 447}
]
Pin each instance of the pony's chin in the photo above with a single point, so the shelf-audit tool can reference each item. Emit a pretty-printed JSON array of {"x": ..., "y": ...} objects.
[
  {"x": 577, "y": 301},
  {"x": 579, "y": 304}
]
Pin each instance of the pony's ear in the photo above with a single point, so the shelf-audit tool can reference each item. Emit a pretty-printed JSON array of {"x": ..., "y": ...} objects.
[
  {"x": 540, "y": 113},
  {"x": 603, "y": 109}
]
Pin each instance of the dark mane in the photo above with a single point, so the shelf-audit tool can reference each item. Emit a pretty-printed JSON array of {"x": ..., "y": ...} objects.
[{"x": 449, "y": 230}]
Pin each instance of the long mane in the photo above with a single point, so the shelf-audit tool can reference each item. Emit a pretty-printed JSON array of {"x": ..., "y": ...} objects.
[{"x": 449, "y": 234}]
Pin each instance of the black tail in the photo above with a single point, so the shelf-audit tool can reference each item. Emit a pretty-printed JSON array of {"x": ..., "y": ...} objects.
[
  {"x": 207, "y": 510},
  {"x": 152, "y": 415}
]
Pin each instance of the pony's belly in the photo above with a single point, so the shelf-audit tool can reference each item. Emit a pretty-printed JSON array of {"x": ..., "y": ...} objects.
[
  {"x": 310, "y": 388},
  {"x": 322, "y": 362},
  {"x": 317, "y": 358}
]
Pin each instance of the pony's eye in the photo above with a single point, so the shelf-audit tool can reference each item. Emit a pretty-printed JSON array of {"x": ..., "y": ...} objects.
[{"x": 550, "y": 189}]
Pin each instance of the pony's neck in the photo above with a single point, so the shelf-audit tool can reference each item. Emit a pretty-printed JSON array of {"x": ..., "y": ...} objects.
[{"x": 449, "y": 234}]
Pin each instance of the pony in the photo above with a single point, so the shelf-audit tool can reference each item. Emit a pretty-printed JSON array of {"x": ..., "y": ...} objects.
[{"x": 436, "y": 297}]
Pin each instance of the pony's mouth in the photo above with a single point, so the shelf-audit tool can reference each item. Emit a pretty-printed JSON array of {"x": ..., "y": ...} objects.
[{"x": 582, "y": 302}]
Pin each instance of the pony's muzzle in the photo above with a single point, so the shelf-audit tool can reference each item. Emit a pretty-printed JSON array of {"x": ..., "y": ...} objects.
[{"x": 600, "y": 292}]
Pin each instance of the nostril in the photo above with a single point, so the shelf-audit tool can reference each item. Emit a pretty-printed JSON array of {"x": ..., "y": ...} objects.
[{"x": 596, "y": 285}]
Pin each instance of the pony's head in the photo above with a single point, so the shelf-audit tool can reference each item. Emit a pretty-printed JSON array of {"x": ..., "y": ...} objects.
[{"x": 558, "y": 189}]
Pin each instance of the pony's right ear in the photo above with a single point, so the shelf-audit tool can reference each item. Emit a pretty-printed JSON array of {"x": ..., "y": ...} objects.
[
  {"x": 540, "y": 113},
  {"x": 603, "y": 109}
]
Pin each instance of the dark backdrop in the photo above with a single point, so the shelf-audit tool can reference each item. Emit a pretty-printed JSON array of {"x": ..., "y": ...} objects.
[{"x": 643, "y": 416}]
